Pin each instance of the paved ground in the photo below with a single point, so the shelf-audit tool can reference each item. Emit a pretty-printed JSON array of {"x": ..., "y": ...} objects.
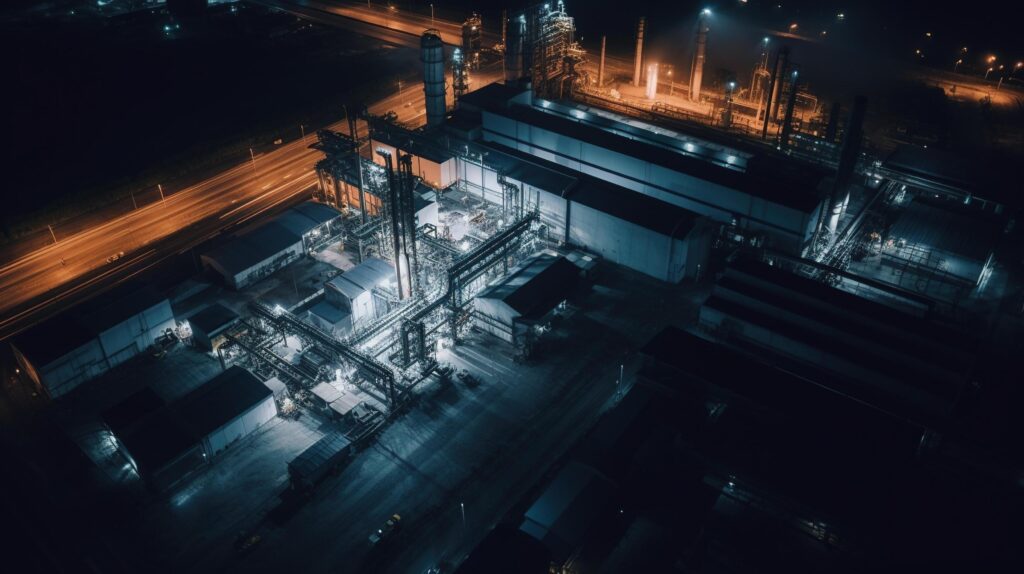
[{"x": 479, "y": 446}]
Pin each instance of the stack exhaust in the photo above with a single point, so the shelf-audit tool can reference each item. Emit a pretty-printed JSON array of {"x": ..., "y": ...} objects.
[
  {"x": 638, "y": 57},
  {"x": 699, "y": 55}
]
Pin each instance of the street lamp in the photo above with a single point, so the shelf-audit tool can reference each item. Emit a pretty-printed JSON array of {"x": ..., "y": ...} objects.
[
  {"x": 957, "y": 64},
  {"x": 670, "y": 82},
  {"x": 987, "y": 72}
]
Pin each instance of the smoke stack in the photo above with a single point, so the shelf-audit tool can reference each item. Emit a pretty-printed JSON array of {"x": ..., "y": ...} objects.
[
  {"x": 699, "y": 54},
  {"x": 652, "y": 81},
  {"x": 847, "y": 161},
  {"x": 639, "y": 56},
  {"x": 432, "y": 56},
  {"x": 787, "y": 123},
  {"x": 773, "y": 83},
  {"x": 600, "y": 68},
  {"x": 833, "y": 123}
]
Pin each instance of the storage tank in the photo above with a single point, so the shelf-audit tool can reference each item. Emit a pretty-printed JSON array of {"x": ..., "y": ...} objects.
[{"x": 432, "y": 56}]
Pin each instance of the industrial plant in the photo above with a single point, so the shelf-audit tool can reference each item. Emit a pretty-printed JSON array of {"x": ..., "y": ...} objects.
[{"x": 567, "y": 311}]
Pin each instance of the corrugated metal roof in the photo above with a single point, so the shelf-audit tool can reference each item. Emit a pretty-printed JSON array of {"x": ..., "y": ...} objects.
[
  {"x": 326, "y": 392},
  {"x": 254, "y": 247},
  {"x": 947, "y": 227},
  {"x": 371, "y": 273},
  {"x": 306, "y": 217},
  {"x": 329, "y": 312},
  {"x": 319, "y": 453},
  {"x": 220, "y": 400},
  {"x": 213, "y": 319},
  {"x": 536, "y": 286}
]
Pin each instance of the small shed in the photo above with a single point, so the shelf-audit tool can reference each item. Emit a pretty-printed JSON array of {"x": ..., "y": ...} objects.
[
  {"x": 325, "y": 394},
  {"x": 320, "y": 458},
  {"x": 526, "y": 296},
  {"x": 331, "y": 318},
  {"x": 352, "y": 291},
  {"x": 210, "y": 325},
  {"x": 277, "y": 388},
  {"x": 344, "y": 404}
]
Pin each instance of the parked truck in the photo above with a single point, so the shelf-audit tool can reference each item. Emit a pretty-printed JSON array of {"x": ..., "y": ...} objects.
[{"x": 314, "y": 463}]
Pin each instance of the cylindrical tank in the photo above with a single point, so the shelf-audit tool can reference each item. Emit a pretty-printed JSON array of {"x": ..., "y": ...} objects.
[
  {"x": 432, "y": 56},
  {"x": 514, "y": 49}
]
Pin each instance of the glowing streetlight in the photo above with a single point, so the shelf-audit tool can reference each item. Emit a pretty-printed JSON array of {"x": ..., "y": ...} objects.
[
  {"x": 793, "y": 27},
  {"x": 957, "y": 64},
  {"x": 987, "y": 72}
]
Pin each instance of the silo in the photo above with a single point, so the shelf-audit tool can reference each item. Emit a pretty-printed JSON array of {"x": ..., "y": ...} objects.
[{"x": 432, "y": 56}]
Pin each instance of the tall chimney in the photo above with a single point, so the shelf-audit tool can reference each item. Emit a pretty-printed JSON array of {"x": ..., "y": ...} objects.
[
  {"x": 600, "y": 68},
  {"x": 772, "y": 83},
  {"x": 432, "y": 56},
  {"x": 787, "y": 122},
  {"x": 699, "y": 53},
  {"x": 848, "y": 155},
  {"x": 638, "y": 57}
]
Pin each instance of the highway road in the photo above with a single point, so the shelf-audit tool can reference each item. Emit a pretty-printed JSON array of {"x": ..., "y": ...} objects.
[{"x": 52, "y": 278}]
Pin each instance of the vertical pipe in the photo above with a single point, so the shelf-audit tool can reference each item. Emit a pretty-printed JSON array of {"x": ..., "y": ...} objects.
[
  {"x": 833, "y": 123},
  {"x": 787, "y": 122},
  {"x": 699, "y": 54},
  {"x": 353, "y": 130},
  {"x": 600, "y": 68},
  {"x": 394, "y": 215},
  {"x": 639, "y": 55},
  {"x": 771, "y": 90},
  {"x": 780, "y": 84}
]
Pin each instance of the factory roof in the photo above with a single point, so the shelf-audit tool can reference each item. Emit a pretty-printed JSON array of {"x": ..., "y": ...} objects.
[
  {"x": 529, "y": 169},
  {"x": 568, "y": 507},
  {"x": 632, "y": 206},
  {"x": 410, "y": 142},
  {"x": 492, "y": 96},
  {"x": 763, "y": 177},
  {"x": 276, "y": 386},
  {"x": 536, "y": 286},
  {"x": 948, "y": 227},
  {"x": 250, "y": 249},
  {"x": 132, "y": 409},
  {"x": 344, "y": 404},
  {"x": 213, "y": 319},
  {"x": 220, "y": 400},
  {"x": 330, "y": 312},
  {"x": 156, "y": 440},
  {"x": 306, "y": 217},
  {"x": 371, "y": 273},
  {"x": 707, "y": 363},
  {"x": 52, "y": 339},
  {"x": 507, "y": 550}
]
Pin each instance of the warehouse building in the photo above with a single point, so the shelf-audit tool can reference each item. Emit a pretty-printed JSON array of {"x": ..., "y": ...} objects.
[
  {"x": 210, "y": 326},
  {"x": 226, "y": 408},
  {"x": 892, "y": 360},
  {"x": 79, "y": 345},
  {"x": 525, "y": 298},
  {"x": 566, "y": 512},
  {"x": 166, "y": 443},
  {"x": 260, "y": 252},
  {"x": 762, "y": 195},
  {"x": 637, "y": 231},
  {"x": 431, "y": 162}
]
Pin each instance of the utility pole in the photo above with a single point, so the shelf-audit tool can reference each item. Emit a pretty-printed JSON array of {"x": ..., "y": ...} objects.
[
  {"x": 161, "y": 189},
  {"x": 302, "y": 128},
  {"x": 52, "y": 234},
  {"x": 135, "y": 205},
  {"x": 253, "y": 156}
]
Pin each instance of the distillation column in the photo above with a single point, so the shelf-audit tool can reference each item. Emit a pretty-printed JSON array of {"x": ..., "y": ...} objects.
[
  {"x": 432, "y": 56},
  {"x": 699, "y": 54}
]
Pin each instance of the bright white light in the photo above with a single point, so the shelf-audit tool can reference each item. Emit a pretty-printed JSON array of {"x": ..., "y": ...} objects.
[
  {"x": 464, "y": 246},
  {"x": 579, "y": 114},
  {"x": 689, "y": 147},
  {"x": 278, "y": 309},
  {"x": 706, "y": 11},
  {"x": 730, "y": 159}
]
